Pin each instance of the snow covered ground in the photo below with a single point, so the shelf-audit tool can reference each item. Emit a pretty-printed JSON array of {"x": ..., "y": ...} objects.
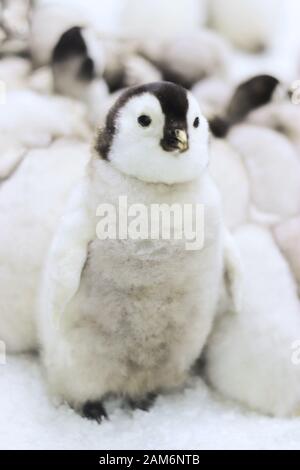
[{"x": 193, "y": 419}]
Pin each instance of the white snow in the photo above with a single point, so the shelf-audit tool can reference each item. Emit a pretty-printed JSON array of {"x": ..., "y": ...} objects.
[{"x": 195, "y": 418}]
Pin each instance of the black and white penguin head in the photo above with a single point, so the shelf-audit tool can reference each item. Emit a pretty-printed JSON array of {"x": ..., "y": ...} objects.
[
  {"x": 156, "y": 133},
  {"x": 79, "y": 53},
  {"x": 249, "y": 95}
]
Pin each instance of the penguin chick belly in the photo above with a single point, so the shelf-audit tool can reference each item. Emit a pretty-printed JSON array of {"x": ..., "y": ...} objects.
[{"x": 143, "y": 311}]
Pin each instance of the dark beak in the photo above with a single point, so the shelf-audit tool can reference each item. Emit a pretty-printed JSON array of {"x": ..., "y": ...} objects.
[{"x": 175, "y": 139}]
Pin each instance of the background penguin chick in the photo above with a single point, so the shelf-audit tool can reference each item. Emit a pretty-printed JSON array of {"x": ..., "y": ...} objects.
[
  {"x": 249, "y": 355},
  {"x": 45, "y": 119},
  {"x": 272, "y": 163},
  {"x": 251, "y": 24},
  {"x": 249, "y": 95},
  {"x": 133, "y": 337},
  {"x": 77, "y": 59},
  {"x": 188, "y": 58},
  {"x": 32, "y": 201},
  {"x": 234, "y": 187},
  {"x": 283, "y": 117},
  {"x": 80, "y": 59}
]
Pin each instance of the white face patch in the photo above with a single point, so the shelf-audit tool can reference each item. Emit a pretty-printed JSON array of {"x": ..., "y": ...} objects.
[{"x": 136, "y": 149}]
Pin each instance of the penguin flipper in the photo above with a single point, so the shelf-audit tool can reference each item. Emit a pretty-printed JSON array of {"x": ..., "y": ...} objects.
[{"x": 67, "y": 257}]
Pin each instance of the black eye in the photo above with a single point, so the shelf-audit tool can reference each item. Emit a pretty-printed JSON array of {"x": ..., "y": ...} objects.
[
  {"x": 196, "y": 122},
  {"x": 144, "y": 120}
]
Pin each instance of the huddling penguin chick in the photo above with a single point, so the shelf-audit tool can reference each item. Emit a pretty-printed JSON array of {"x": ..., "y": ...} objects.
[
  {"x": 86, "y": 68},
  {"x": 248, "y": 96},
  {"x": 77, "y": 66},
  {"x": 45, "y": 120},
  {"x": 126, "y": 315},
  {"x": 234, "y": 187},
  {"x": 32, "y": 197},
  {"x": 80, "y": 57},
  {"x": 267, "y": 156},
  {"x": 77, "y": 59},
  {"x": 253, "y": 357},
  {"x": 282, "y": 116}
]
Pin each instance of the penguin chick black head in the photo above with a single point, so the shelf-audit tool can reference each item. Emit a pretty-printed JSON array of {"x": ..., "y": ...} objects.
[
  {"x": 77, "y": 59},
  {"x": 156, "y": 133},
  {"x": 72, "y": 45},
  {"x": 249, "y": 95}
]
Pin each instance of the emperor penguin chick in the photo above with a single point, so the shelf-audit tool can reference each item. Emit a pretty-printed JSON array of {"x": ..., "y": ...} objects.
[{"x": 129, "y": 315}]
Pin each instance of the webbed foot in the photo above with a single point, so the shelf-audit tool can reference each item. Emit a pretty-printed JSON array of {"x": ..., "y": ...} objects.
[{"x": 94, "y": 410}]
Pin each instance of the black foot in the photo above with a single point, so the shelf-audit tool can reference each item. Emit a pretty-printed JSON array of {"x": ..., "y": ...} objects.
[
  {"x": 144, "y": 403},
  {"x": 94, "y": 410}
]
